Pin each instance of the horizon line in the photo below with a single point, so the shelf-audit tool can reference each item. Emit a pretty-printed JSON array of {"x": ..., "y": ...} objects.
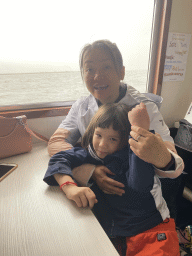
[{"x": 41, "y": 72}]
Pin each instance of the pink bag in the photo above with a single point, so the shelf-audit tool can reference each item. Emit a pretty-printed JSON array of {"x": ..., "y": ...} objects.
[{"x": 15, "y": 136}]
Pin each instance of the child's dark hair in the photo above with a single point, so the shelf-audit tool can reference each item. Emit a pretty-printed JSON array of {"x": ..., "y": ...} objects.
[
  {"x": 110, "y": 47},
  {"x": 114, "y": 114}
]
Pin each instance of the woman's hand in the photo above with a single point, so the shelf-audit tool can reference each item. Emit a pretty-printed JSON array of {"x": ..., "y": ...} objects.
[
  {"x": 149, "y": 147},
  {"x": 138, "y": 116},
  {"x": 106, "y": 184},
  {"x": 82, "y": 196}
]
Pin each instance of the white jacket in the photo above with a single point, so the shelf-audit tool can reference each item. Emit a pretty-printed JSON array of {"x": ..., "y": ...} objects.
[{"x": 84, "y": 108}]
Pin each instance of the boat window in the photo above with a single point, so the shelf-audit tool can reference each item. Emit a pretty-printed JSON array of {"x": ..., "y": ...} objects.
[{"x": 43, "y": 39}]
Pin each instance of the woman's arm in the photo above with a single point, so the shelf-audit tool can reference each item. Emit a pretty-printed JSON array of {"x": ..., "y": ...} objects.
[
  {"x": 67, "y": 134},
  {"x": 158, "y": 125},
  {"x": 143, "y": 143},
  {"x": 150, "y": 147},
  {"x": 83, "y": 173},
  {"x": 58, "y": 142}
]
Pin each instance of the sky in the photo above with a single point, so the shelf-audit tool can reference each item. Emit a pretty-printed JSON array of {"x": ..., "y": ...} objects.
[{"x": 47, "y": 35}]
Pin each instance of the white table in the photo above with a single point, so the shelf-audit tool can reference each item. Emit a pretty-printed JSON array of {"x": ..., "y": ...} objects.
[{"x": 36, "y": 219}]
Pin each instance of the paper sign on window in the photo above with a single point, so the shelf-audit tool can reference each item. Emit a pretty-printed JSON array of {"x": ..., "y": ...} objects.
[{"x": 176, "y": 57}]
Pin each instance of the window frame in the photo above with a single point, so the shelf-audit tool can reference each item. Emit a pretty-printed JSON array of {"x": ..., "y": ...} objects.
[
  {"x": 40, "y": 110},
  {"x": 159, "y": 37}
]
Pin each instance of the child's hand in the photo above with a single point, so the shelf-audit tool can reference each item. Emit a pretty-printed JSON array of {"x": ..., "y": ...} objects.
[
  {"x": 83, "y": 196},
  {"x": 138, "y": 116}
]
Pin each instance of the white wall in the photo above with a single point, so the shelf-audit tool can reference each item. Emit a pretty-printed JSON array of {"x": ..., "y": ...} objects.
[{"x": 177, "y": 96}]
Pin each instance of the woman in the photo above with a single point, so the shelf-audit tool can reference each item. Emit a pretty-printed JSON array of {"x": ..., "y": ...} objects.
[{"x": 102, "y": 70}]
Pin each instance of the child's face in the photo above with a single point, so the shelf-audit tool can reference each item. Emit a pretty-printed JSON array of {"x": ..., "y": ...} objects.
[{"x": 106, "y": 141}]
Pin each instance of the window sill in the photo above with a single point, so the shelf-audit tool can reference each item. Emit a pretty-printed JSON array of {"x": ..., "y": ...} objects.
[{"x": 37, "y": 110}]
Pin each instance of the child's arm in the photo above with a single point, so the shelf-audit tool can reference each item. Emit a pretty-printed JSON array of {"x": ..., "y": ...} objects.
[
  {"x": 151, "y": 148},
  {"x": 138, "y": 116},
  {"x": 59, "y": 172},
  {"x": 146, "y": 145},
  {"x": 141, "y": 174},
  {"x": 82, "y": 196},
  {"x": 147, "y": 151}
]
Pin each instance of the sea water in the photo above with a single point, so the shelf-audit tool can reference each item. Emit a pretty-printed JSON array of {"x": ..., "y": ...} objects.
[{"x": 53, "y": 87}]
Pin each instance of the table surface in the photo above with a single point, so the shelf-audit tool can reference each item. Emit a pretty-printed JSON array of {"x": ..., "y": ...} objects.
[{"x": 36, "y": 219}]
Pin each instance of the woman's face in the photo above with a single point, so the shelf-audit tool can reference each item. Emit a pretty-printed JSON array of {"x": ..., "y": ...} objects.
[{"x": 100, "y": 75}]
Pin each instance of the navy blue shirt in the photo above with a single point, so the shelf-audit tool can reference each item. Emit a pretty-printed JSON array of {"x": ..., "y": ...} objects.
[{"x": 142, "y": 207}]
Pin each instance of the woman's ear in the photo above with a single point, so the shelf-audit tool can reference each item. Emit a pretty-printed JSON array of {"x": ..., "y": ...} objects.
[{"x": 122, "y": 73}]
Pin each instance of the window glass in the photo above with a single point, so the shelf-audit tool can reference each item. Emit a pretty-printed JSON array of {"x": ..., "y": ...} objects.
[{"x": 42, "y": 40}]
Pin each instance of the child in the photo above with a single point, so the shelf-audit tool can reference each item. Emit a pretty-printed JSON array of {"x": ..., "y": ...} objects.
[{"x": 140, "y": 215}]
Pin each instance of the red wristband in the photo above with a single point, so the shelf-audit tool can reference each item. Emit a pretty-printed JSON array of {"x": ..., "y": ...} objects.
[{"x": 67, "y": 183}]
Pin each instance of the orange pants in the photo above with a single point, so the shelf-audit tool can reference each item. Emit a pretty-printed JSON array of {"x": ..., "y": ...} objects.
[{"x": 161, "y": 240}]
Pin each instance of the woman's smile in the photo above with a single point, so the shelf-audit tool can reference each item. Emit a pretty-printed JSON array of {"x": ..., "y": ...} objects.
[{"x": 100, "y": 87}]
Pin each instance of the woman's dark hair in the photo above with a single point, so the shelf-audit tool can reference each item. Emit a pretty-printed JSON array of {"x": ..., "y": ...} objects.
[
  {"x": 110, "y": 47},
  {"x": 114, "y": 114}
]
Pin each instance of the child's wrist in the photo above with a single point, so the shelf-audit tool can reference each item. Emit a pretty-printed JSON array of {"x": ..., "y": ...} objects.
[
  {"x": 67, "y": 190},
  {"x": 67, "y": 183}
]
